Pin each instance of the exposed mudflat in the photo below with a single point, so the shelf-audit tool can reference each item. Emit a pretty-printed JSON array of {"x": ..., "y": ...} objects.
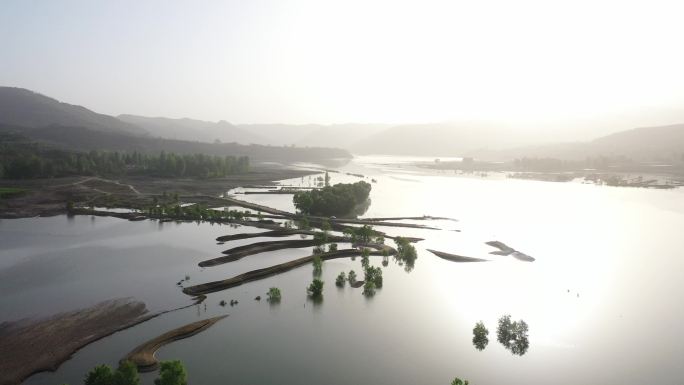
[
  {"x": 143, "y": 355},
  {"x": 30, "y": 346}
]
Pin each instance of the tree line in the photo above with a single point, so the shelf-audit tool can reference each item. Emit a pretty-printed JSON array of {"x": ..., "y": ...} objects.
[{"x": 30, "y": 160}]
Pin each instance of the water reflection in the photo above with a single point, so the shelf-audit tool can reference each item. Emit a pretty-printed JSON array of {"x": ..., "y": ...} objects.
[
  {"x": 513, "y": 335},
  {"x": 406, "y": 254},
  {"x": 361, "y": 208}
]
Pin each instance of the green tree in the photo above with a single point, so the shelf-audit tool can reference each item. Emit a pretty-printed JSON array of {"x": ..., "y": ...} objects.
[
  {"x": 274, "y": 294},
  {"x": 480, "y": 333},
  {"x": 126, "y": 374},
  {"x": 458, "y": 381},
  {"x": 341, "y": 279},
  {"x": 369, "y": 288},
  {"x": 100, "y": 375},
  {"x": 513, "y": 335},
  {"x": 317, "y": 265},
  {"x": 406, "y": 253},
  {"x": 171, "y": 373},
  {"x": 315, "y": 289}
]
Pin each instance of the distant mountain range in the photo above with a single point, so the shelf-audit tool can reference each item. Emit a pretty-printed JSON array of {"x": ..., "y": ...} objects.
[
  {"x": 191, "y": 129},
  {"x": 71, "y": 127},
  {"x": 27, "y": 109},
  {"x": 644, "y": 144}
]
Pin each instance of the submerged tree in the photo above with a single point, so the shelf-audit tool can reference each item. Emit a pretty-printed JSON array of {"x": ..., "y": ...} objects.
[
  {"x": 369, "y": 288},
  {"x": 317, "y": 265},
  {"x": 373, "y": 274},
  {"x": 513, "y": 335},
  {"x": 406, "y": 253},
  {"x": 480, "y": 333},
  {"x": 365, "y": 261},
  {"x": 341, "y": 279},
  {"x": 274, "y": 295},
  {"x": 352, "y": 277},
  {"x": 458, "y": 381},
  {"x": 315, "y": 289}
]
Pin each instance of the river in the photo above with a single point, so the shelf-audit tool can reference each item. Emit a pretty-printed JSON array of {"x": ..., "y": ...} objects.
[{"x": 604, "y": 299}]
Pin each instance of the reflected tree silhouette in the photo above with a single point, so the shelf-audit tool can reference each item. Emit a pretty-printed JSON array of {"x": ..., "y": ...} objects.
[
  {"x": 513, "y": 335},
  {"x": 480, "y": 333},
  {"x": 406, "y": 254}
]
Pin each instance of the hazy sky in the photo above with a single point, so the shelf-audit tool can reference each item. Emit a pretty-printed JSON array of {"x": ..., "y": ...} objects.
[{"x": 354, "y": 61}]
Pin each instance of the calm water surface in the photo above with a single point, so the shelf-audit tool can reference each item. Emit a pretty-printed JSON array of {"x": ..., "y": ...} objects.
[{"x": 604, "y": 300}]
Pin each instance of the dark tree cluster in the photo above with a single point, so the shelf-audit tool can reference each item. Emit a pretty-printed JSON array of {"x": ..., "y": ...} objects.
[
  {"x": 339, "y": 199},
  {"x": 195, "y": 212},
  {"x": 513, "y": 335},
  {"x": 25, "y": 160},
  {"x": 406, "y": 253},
  {"x": 170, "y": 373}
]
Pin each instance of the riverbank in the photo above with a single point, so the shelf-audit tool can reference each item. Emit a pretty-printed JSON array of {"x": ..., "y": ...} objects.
[
  {"x": 49, "y": 197},
  {"x": 143, "y": 356}
]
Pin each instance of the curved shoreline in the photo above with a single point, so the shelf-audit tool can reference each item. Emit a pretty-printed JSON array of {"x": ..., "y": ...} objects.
[
  {"x": 504, "y": 249},
  {"x": 455, "y": 257},
  {"x": 143, "y": 356},
  {"x": 267, "y": 234},
  {"x": 239, "y": 252},
  {"x": 254, "y": 275}
]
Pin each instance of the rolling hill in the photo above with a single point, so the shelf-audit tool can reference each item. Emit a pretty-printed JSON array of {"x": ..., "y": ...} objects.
[
  {"x": 24, "y": 108},
  {"x": 192, "y": 129}
]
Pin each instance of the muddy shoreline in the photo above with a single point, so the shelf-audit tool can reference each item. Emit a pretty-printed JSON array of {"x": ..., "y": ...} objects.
[
  {"x": 254, "y": 275},
  {"x": 48, "y": 197},
  {"x": 143, "y": 356}
]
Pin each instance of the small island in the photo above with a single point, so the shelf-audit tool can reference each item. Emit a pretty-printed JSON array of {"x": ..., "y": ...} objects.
[{"x": 337, "y": 200}]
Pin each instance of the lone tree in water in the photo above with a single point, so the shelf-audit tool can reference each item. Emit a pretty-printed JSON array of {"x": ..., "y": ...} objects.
[
  {"x": 274, "y": 294},
  {"x": 406, "y": 253},
  {"x": 317, "y": 265},
  {"x": 341, "y": 279},
  {"x": 480, "y": 333},
  {"x": 316, "y": 288},
  {"x": 513, "y": 335}
]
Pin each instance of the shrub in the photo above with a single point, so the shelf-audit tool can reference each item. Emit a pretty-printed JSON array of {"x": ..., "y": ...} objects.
[
  {"x": 317, "y": 265},
  {"x": 369, "y": 288},
  {"x": 274, "y": 294},
  {"x": 171, "y": 373},
  {"x": 341, "y": 279},
  {"x": 315, "y": 289},
  {"x": 406, "y": 253}
]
